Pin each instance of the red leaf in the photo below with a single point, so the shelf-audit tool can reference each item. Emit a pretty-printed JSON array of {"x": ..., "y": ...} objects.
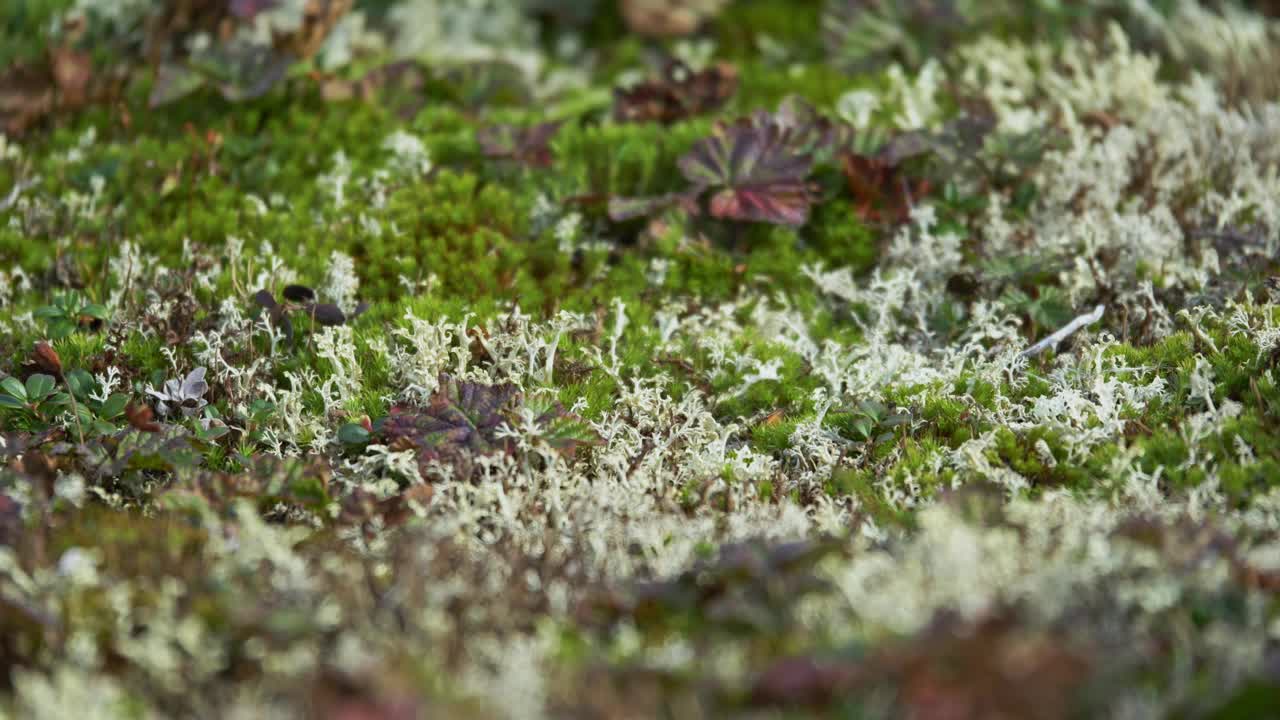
[
  {"x": 142, "y": 418},
  {"x": 757, "y": 173},
  {"x": 881, "y": 192}
]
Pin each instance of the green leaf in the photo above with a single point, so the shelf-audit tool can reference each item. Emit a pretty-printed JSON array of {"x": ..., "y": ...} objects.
[
  {"x": 13, "y": 386},
  {"x": 80, "y": 382},
  {"x": 353, "y": 434},
  {"x": 214, "y": 432},
  {"x": 8, "y": 401},
  {"x": 114, "y": 406},
  {"x": 96, "y": 311},
  {"x": 49, "y": 312},
  {"x": 60, "y": 327},
  {"x": 39, "y": 386},
  {"x": 864, "y": 426}
]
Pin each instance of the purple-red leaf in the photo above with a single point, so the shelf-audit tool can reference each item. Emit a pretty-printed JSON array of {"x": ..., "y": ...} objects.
[
  {"x": 755, "y": 173},
  {"x": 880, "y": 189},
  {"x": 460, "y": 423},
  {"x": 808, "y": 131},
  {"x": 240, "y": 71}
]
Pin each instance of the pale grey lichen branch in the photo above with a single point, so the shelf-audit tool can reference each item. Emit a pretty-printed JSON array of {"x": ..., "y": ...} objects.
[
  {"x": 1070, "y": 329},
  {"x": 18, "y": 188}
]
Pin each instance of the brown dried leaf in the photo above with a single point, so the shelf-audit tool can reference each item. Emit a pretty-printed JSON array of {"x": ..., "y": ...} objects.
[
  {"x": 46, "y": 358},
  {"x": 72, "y": 72},
  {"x": 141, "y": 417}
]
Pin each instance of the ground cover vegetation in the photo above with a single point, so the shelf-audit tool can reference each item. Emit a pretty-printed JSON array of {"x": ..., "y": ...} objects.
[{"x": 656, "y": 358}]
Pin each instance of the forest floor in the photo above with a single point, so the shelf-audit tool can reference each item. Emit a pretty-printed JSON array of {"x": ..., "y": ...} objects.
[{"x": 680, "y": 359}]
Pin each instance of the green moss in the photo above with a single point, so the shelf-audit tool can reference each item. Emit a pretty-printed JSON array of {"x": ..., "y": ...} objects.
[
  {"x": 773, "y": 437},
  {"x": 470, "y": 235},
  {"x": 626, "y": 160},
  {"x": 843, "y": 239},
  {"x": 948, "y": 419},
  {"x": 859, "y": 484}
]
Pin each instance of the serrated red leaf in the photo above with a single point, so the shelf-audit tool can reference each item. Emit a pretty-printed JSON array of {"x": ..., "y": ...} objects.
[
  {"x": 881, "y": 191},
  {"x": 756, "y": 173}
]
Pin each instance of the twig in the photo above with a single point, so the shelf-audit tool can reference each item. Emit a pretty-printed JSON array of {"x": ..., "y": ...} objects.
[
  {"x": 1071, "y": 328},
  {"x": 75, "y": 407}
]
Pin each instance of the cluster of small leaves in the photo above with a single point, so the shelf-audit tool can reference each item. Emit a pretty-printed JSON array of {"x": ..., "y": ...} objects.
[
  {"x": 240, "y": 71},
  {"x": 887, "y": 184},
  {"x": 69, "y": 313},
  {"x": 183, "y": 46},
  {"x": 239, "y": 66},
  {"x": 39, "y": 403},
  {"x": 759, "y": 168},
  {"x": 184, "y": 396},
  {"x": 99, "y": 415},
  {"x": 754, "y": 170},
  {"x": 871, "y": 422},
  {"x": 36, "y": 395}
]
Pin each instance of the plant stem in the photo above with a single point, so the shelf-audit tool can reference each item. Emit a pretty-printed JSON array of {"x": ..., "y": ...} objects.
[{"x": 75, "y": 407}]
